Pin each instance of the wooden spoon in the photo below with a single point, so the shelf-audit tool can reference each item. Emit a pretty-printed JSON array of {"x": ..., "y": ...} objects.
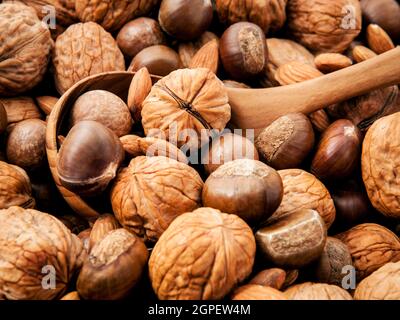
[{"x": 257, "y": 108}]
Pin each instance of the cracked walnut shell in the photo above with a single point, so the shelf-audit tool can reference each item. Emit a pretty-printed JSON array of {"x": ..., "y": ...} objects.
[
  {"x": 84, "y": 49},
  {"x": 203, "y": 255},
  {"x": 25, "y": 45},
  {"x": 183, "y": 104},
  {"x": 149, "y": 194},
  {"x": 35, "y": 247}
]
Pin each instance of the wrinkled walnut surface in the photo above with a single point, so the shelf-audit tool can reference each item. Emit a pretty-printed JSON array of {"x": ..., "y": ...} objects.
[
  {"x": 202, "y": 255},
  {"x": 316, "y": 291}
]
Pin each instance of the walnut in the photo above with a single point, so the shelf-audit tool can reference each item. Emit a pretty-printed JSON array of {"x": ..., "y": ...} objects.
[
  {"x": 324, "y": 25},
  {"x": 112, "y": 14},
  {"x": 316, "y": 291},
  {"x": 183, "y": 104},
  {"x": 36, "y": 246},
  {"x": 379, "y": 161},
  {"x": 257, "y": 292},
  {"x": 15, "y": 187},
  {"x": 268, "y": 14},
  {"x": 149, "y": 194},
  {"x": 302, "y": 190},
  {"x": 25, "y": 45},
  {"x": 84, "y": 49},
  {"x": 371, "y": 246},
  {"x": 383, "y": 284},
  {"x": 203, "y": 255}
]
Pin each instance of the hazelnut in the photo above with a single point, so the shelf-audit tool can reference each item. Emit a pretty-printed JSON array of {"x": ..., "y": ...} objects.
[
  {"x": 293, "y": 240},
  {"x": 139, "y": 34},
  {"x": 80, "y": 169},
  {"x": 274, "y": 278},
  {"x": 104, "y": 107},
  {"x": 317, "y": 291},
  {"x": 192, "y": 260},
  {"x": 185, "y": 19},
  {"x": 287, "y": 141},
  {"x": 159, "y": 60},
  {"x": 243, "y": 50},
  {"x": 26, "y": 144},
  {"x": 257, "y": 292},
  {"x": 338, "y": 152},
  {"x": 248, "y": 188},
  {"x": 225, "y": 148},
  {"x": 113, "y": 267},
  {"x": 3, "y": 118}
]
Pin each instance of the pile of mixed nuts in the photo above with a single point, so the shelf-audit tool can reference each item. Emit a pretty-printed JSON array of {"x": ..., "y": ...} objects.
[{"x": 122, "y": 174}]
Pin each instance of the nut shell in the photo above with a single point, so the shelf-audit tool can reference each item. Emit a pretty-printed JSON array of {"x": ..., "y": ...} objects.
[
  {"x": 35, "y": 247},
  {"x": 316, "y": 291},
  {"x": 257, "y": 292},
  {"x": 274, "y": 278},
  {"x": 149, "y": 194},
  {"x": 194, "y": 260}
]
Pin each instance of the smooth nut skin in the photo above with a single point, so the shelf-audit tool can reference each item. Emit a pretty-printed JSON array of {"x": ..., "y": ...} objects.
[
  {"x": 293, "y": 241},
  {"x": 15, "y": 187},
  {"x": 383, "y": 284},
  {"x": 329, "y": 267},
  {"x": 33, "y": 245},
  {"x": 26, "y": 144},
  {"x": 317, "y": 291},
  {"x": 138, "y": 91},
  {"x": 371, "y": 246},
  {"x": 185, "y": 19},
  {"x": 302, "y": 190},
  {"x": 3, "y": 118},
  {"x": 287, "y": 141},
  {"x": 103, "y": 225},
  {"x": 257, "y": 292},
  {"x": 25, "y": 46},
  {"x": 380, "y": 158},
  {"x": 248, "y": 188},
  {"x": 151, "y": 192},
  {"x": 268, "y": 15},
  {"x": 274, "y": 278},
  {"x": 243, "y": 51},
  {"x": 84, "y": 49},
  {"x": 228, "y": 147},
  {"x": 341, "y": 23},
  {"x": 159, "y": 60},
  {"x": 104, "y": 107},
  {"x": 113, "y": 267},
  {"x": 139, "y": 34},
  {"x": 78, "y": 164},
  {"x": 338, "y": 152},
  {"x": 193, "y": 261}
]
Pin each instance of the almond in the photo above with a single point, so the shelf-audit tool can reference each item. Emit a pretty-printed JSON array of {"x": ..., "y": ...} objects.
[
  {"x": 330, "y": 62},
  {"x": 46, "y": 103},
  {"x": 206, "y": 57},
  {"x": 138, "y": 91},
  {"x": 378, "y": 40},
  {"x": 361, "y": 53},
  {"x": 294, "y": 72},
  {"x": 320, "y": 120},
  {"x": 103, "y": 225}
]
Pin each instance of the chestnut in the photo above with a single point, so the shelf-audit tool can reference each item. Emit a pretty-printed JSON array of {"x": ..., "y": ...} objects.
[
  {"x": 225, "y": 148},
  {"x": 26, "y": 144},
  {"x": 287, "y": 141},
  {"x": 248, "y": 188},
  {"x": 243, "y": 50},
  {"x": 3, "y": 118},
  {"x": 139, "y": 34},
  {"x": 185, "y": 19},
  {"x": 338, "y": 152},
  {"x": 159, "y": 60},
  {"x": 104, "y": 107},
  {"x": 89, "y": 158}
]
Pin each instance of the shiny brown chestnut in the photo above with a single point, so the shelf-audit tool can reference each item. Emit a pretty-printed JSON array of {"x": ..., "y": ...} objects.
[
  {"x": 243, "y": 50},
  {"x": 89, "y": 158},
  {"x": 225, "y": 148},
  {"x": 26, "y": 144},
  {"x": 139, "y": 34},
  {"x": 286, "y": 142},
  {"x": 3, "y": 118},
  {"x": 104, "y": 107},
  {"x": 185, "y": 19},
  {"x": 159, "y": 60},
  {"x": 338, "y": 152},
  {"x": 248, "y": 188}
]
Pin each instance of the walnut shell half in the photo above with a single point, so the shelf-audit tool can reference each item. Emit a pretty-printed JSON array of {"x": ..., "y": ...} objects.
[
  {"x": 39, "y": 255},
  {"x": 203, "y": 255},
  {"x": 152, "y": 192}
]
